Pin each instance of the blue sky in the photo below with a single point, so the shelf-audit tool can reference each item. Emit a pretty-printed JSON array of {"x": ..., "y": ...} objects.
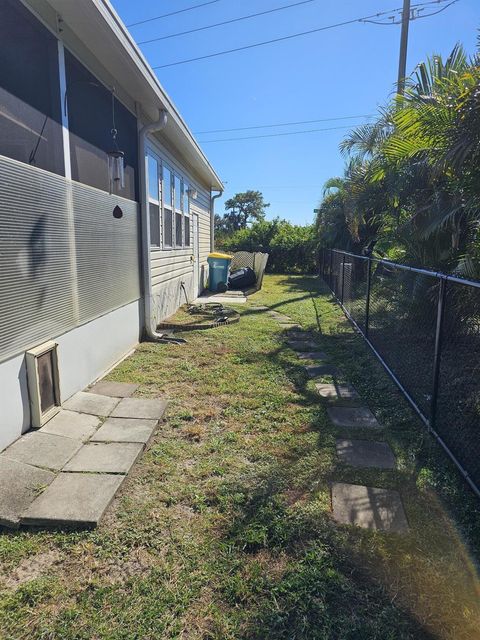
[{"x": 348, "y": 71}]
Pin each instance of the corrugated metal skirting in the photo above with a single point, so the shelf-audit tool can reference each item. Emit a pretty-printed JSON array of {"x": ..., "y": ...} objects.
[{"x": 64, "y": 258}]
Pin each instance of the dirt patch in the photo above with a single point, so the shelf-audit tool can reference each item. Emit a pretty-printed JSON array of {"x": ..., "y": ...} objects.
[{"x": 29, "y": 569}]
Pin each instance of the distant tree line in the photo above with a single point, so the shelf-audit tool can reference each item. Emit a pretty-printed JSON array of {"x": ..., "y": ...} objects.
[{"x": 243, "y": 227}]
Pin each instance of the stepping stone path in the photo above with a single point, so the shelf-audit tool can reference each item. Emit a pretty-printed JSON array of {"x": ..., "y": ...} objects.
[
  {"x": 69, "y": 471},
  {"x": 368, "y": 507},
  {"x": 365, "y": 453},
  {"x": 353, "y": 417}
]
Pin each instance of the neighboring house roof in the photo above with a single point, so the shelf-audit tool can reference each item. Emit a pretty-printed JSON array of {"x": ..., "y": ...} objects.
[{"x": 98, "y": 27}]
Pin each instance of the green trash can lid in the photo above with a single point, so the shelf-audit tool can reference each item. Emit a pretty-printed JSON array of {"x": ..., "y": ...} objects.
[{"x": 216, "y": 254}]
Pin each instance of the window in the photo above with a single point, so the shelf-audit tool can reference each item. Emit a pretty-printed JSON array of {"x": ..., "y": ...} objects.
[
  {"x": 178, "y": 229},
  {"x": 154, "y": 211},
  {"x": 167, "y": 227},
  {"x": 187, "y": 231},
  {"x": 178, "y": 195},
  {"x": 167, "y": 208},
  {"x": 186, "y": 213},
  {"x": 167, "y": 187},
  {"x": 153, "y": 178},
  {"x": 30, "y": 117}
]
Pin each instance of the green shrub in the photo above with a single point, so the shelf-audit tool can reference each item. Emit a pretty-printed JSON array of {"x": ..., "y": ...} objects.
[{"x": 291, "y": 248}]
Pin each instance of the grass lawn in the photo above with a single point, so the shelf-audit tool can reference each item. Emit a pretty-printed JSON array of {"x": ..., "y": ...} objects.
[{"x": 223, "y": 530}]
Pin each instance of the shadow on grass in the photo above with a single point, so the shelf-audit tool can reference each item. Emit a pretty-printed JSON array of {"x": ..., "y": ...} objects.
[{"x": 346, "y": 582}]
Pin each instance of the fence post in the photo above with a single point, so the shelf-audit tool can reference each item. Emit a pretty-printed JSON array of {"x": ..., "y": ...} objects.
[
  {"x": 343, "y": 280},
  {"x": 367, "y": 301},
  {"x": 331, "y": 270},
  {"x": 438, "y": 351}
]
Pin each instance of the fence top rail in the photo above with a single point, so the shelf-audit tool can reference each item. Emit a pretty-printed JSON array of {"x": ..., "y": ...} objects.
[{"x": 404, "y": 267}]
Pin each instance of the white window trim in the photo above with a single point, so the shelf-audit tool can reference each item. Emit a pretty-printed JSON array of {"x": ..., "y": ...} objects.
[{"x": 151, "y": 200}]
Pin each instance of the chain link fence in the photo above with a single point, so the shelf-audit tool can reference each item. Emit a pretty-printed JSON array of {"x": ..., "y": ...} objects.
[{"x": 425, "y": 329}]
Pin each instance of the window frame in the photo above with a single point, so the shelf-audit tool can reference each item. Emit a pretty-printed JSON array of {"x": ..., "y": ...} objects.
[
  {"x": 170, "y": 208},
  {"x": 177, "y": 180}
]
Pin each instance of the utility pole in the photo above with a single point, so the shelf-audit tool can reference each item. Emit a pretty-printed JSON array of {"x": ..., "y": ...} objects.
[{"x": 402, "y": 63}]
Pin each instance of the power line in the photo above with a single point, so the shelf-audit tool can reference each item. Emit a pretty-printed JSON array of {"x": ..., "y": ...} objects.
[
  {"x": 290, "y": 37},
  {"x": 219, "y": 24},
  {"x": 173, "y": 13},
  {"x": 283, "y": 124},
  {"x": 415, "y": 13},
  {"x": 275, "y": 135}
]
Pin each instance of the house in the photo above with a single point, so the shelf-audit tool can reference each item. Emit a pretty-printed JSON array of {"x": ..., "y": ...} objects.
[{"x": 106, "y": 203}]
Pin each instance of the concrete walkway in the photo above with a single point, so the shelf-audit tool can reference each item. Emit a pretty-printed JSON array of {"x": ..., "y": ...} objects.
[
  {"x": 352, "y": 504},
  {"x": 68, "y": 472}
]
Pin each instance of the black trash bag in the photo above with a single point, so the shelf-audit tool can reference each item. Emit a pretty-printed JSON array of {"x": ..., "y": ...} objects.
[{"x": 242, "y": 278}]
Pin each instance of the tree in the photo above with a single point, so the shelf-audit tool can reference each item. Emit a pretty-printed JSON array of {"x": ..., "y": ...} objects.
[{"x": 241, "y": 210}]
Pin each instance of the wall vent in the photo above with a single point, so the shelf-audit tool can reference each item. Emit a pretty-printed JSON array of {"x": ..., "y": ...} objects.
[{"x": 43, "y": 383}]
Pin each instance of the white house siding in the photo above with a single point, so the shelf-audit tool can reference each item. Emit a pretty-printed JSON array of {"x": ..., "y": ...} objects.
[
  {"x": 84, "y": 354},
  {"x": 171, "y": 267},
  {"x": 69, "y": 272}
]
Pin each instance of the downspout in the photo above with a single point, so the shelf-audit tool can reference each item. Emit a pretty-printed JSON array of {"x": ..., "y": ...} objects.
[
  {"x": 212, "y": 218},
  {"x": 149, "y": 328}
]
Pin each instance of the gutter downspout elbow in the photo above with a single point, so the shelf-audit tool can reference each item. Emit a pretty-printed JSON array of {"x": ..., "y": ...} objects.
[
  {"x": 149, "y": 328},
  {"x": 212, "y": 218}
]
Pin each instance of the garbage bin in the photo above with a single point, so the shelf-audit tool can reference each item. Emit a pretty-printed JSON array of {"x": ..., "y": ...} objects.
[{"x": 218, "y": 267}]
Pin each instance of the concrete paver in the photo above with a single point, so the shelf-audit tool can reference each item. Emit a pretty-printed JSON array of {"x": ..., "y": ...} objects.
[
  {"x": 365, "y": 453},
  {"x": 337, "y": 392},
  {"x": 302, "y": 345},
  {"x": 352, "y": 417},
  {"x": 71, "y": 424},
  {"x": 113, "y": 457},
  {"x": 125, "y": 430},
  {"x": 42, "y": 450},
  {"x": 114, "y": 389},
  {"x": 152, "y": 409},
  {"x": 85, "y": 402},
  {"x": 313, "y": 355},
  {"x": 299, "y": 335},
  {"x": 73, "y": 499},
  {"x": 20, "y": 484},
  {"x": 368, "y": 507},
  {"x": 315, "y": 370}
]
